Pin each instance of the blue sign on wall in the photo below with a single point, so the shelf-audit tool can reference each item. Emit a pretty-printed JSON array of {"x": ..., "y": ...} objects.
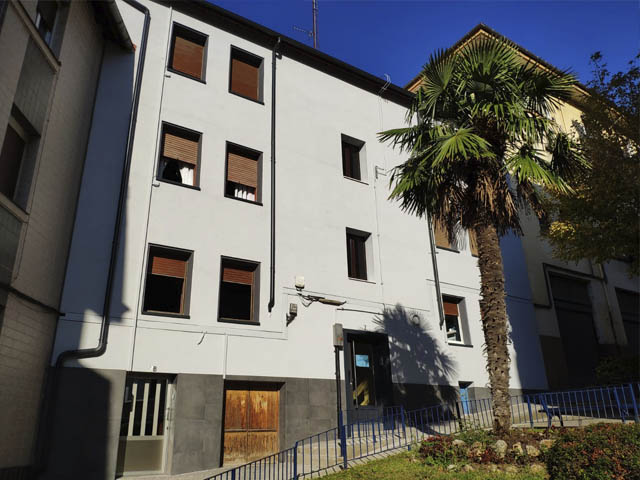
[{"x": 362, "y": 361}]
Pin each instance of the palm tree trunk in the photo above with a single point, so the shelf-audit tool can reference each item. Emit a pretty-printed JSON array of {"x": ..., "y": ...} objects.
[{"x": 494, "y": 324}]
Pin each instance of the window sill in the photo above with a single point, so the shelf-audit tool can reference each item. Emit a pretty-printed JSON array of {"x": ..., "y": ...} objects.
[
  {"x": 362, "y": 182},
  {"x": 170, "y": 182},
  {"x": 165, "y": 314},
  {"x": 182, "y": 74},
  {"x": 447, "y": 249},
  {"x": 239, "y": 322},
  {"x": 13, "y": 208},
  {"x": 259, "y": 102},
  {"x": 362, "y": 280},
  {"x": 244, "y": 200},
  {"x": 459, "y": 344}
]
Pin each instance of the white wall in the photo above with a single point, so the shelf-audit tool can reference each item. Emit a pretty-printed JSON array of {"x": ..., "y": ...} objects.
[{"x": 315, "y": 205}]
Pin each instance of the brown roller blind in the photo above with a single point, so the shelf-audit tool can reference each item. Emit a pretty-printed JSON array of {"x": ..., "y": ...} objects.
[
  {"x": 473, "y": 243},
  {"x": 187, "y": 56},
  {"x": 442, "y": 240},
  {"x": 242, "y": 170},
  {"x": 237, "y": 275},
  {"x": 180, "y": 148},
  {"x": 450, "y": 308},
  {"x": 245, "y": 78},
  {"x": 169, "y": 267}
]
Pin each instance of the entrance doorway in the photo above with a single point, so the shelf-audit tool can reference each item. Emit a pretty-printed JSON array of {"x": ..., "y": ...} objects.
[
  {"x": 464, "y": 396},
  {"x": 251, "y": 422},
  {"x": 368, "y": 374},
  {"x": 143, "y": 428}
]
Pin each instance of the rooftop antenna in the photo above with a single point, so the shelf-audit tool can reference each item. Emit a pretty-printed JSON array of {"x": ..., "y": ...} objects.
[{"x": 311, "y": 33}]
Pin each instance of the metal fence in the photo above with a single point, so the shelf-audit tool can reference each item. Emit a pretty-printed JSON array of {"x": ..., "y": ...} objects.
[{"x": 397, "y": 428}]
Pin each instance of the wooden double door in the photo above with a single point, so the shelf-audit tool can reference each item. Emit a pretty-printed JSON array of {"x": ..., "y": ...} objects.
[{"x": 251, "y": 422}]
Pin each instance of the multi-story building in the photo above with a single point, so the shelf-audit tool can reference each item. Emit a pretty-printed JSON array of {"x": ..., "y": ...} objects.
[
  {"x": 51, "y": 55},
  {"x": 584, "y": 312},
  {"x": 252, "y": 217}
]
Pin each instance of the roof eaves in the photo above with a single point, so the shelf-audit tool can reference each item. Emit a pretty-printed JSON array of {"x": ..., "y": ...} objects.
[{"x": 108, "y": 15}]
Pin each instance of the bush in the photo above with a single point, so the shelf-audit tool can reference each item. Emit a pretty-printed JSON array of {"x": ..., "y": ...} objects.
[
  {"x": 598, "y": 452},
  {"x": 615, "y": 370}
]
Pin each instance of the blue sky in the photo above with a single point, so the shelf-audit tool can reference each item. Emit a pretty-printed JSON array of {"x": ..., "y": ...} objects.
[{"x": 396, "y": 36}]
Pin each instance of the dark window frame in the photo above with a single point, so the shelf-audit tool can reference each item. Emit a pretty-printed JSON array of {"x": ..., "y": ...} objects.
[
  {"x": 196, "y": 36},
  {"x": 251, "y": 151},
  {"x": 255, "y": 291},
  {"x": 357, "y": 145},
  {"x": 359, "y": 264},
  {"x": 177, "y": 128},
  {"x": 186, "y": 288},
  {"x": 254, "y": 60}
]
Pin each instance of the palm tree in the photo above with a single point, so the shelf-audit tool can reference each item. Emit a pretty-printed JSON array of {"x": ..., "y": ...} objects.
[{"x": 482, "y": 145}]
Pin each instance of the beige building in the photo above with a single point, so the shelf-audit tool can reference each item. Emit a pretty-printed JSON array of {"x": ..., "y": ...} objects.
[
  {"x": 584, "y": 311},
  {"x": 50, "y": 53}
]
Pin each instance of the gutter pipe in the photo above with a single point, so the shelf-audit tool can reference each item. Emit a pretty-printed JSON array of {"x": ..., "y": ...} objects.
[
  {"x": 272, "y": 282},
  {"x": 436, "y": 276}
]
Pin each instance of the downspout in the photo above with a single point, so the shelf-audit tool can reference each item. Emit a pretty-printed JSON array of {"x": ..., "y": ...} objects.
[
  {"x": 272, "y": 284},
  {"x": 124, "y": 182},
  {"x": 104, "y": 327},
  {"x": 436, "y": 276}
]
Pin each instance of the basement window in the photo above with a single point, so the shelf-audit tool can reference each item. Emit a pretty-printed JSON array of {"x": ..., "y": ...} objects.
[
  {"x": 167, "y": 284},
  {"x": 239, "y": 288},
  {"x": 180, "y": 155},
  {"x": 244, "y": 172},
  {"x": 188, "y": 49},
  {"x": 245, "y": 78}
]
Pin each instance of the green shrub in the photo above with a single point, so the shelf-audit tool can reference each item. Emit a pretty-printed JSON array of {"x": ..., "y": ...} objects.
[
  {"x": 598, "y": 452},
  {"x": 440, "y": 451},
  {"x": 616, "y": 370}
]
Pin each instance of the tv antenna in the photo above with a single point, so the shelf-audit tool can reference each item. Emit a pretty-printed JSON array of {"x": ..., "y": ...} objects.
[{"x": 311, "y": 33}]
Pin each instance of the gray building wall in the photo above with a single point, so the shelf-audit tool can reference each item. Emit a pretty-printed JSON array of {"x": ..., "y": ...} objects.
[{"x": 54, "y": 90}]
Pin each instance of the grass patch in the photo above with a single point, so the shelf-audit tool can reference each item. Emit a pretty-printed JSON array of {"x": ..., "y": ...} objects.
[{"x": 408, "y": 466}]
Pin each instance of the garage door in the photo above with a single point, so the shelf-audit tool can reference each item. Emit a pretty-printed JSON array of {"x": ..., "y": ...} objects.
[{"x": 251, "y": 418}]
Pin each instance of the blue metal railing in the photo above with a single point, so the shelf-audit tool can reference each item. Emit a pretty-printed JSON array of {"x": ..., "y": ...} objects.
[{"x": 397, "y": 428}]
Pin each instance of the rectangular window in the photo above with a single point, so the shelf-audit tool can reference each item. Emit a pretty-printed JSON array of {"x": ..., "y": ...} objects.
[
  {"x": 188, "y": 52},
  {"x": 441, "y": 237},
  {"x": 179, "y": 157},
  {"x": 46, "y": 12},
  {"x": 238, "y": 301},
  {"x": 167, "y": 287},
  {"x": 246, "y": 74},
  {"x": 357, "y": 254},
  {"x": 11, "y": 155},
  {"x": 452, "y": 319},
  {"x": 352, "y": 158},
  {"x": 243, "y": 173}
]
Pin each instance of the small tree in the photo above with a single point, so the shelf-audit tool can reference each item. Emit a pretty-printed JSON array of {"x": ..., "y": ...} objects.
[
  {"x": 481, "y": 115},
  {"x": 600, "y": 221}
]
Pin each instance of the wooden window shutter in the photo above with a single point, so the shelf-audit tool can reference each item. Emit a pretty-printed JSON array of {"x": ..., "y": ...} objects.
[
  {"x": 237, "y": 275},
  {"x": 245, "y": 79},
  {"x": 441, "y": 237},
  {"x": 180, "y": 148},
  {"x": 242, "y": 169},
  {"x": 187, "y": 56},
  {"x": 473, "y": 243},
  {"x": 168, "y": 267},
  {"x": 450, "y": 308}
]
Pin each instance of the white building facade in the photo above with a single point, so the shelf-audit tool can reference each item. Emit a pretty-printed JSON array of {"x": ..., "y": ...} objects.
[{"x": 221, "y": 300}]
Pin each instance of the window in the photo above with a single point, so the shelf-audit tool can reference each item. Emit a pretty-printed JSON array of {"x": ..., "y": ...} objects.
[
  {"x": 357, "y": 253},
  {"x": 179, "y": 156},
  {"x": 441, "y": 236},
  {"x": 352, "y": 158},
  {"x": 473, "y": 243},
  {"x": 238, "y": 301},
  {"x": 188, "y": 52},
  {"x": 452, "y": 319},
  {"x": 244, "y": 173},
  {"x": 11, "y": 155},
  {"x": 245, "y": 78},
  {"x": 167, "y": 285},
  {"x": 46, "y": 12}
]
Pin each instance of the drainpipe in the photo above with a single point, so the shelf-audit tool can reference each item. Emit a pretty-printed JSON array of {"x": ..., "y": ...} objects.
[
  {"x": 99, "y": 349},
  {"x": 272, "y": 284},
  {"x": 436, "y": 276}
]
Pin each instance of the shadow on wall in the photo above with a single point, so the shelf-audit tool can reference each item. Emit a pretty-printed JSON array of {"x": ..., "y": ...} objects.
[{"x": 416, "y": 355}]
